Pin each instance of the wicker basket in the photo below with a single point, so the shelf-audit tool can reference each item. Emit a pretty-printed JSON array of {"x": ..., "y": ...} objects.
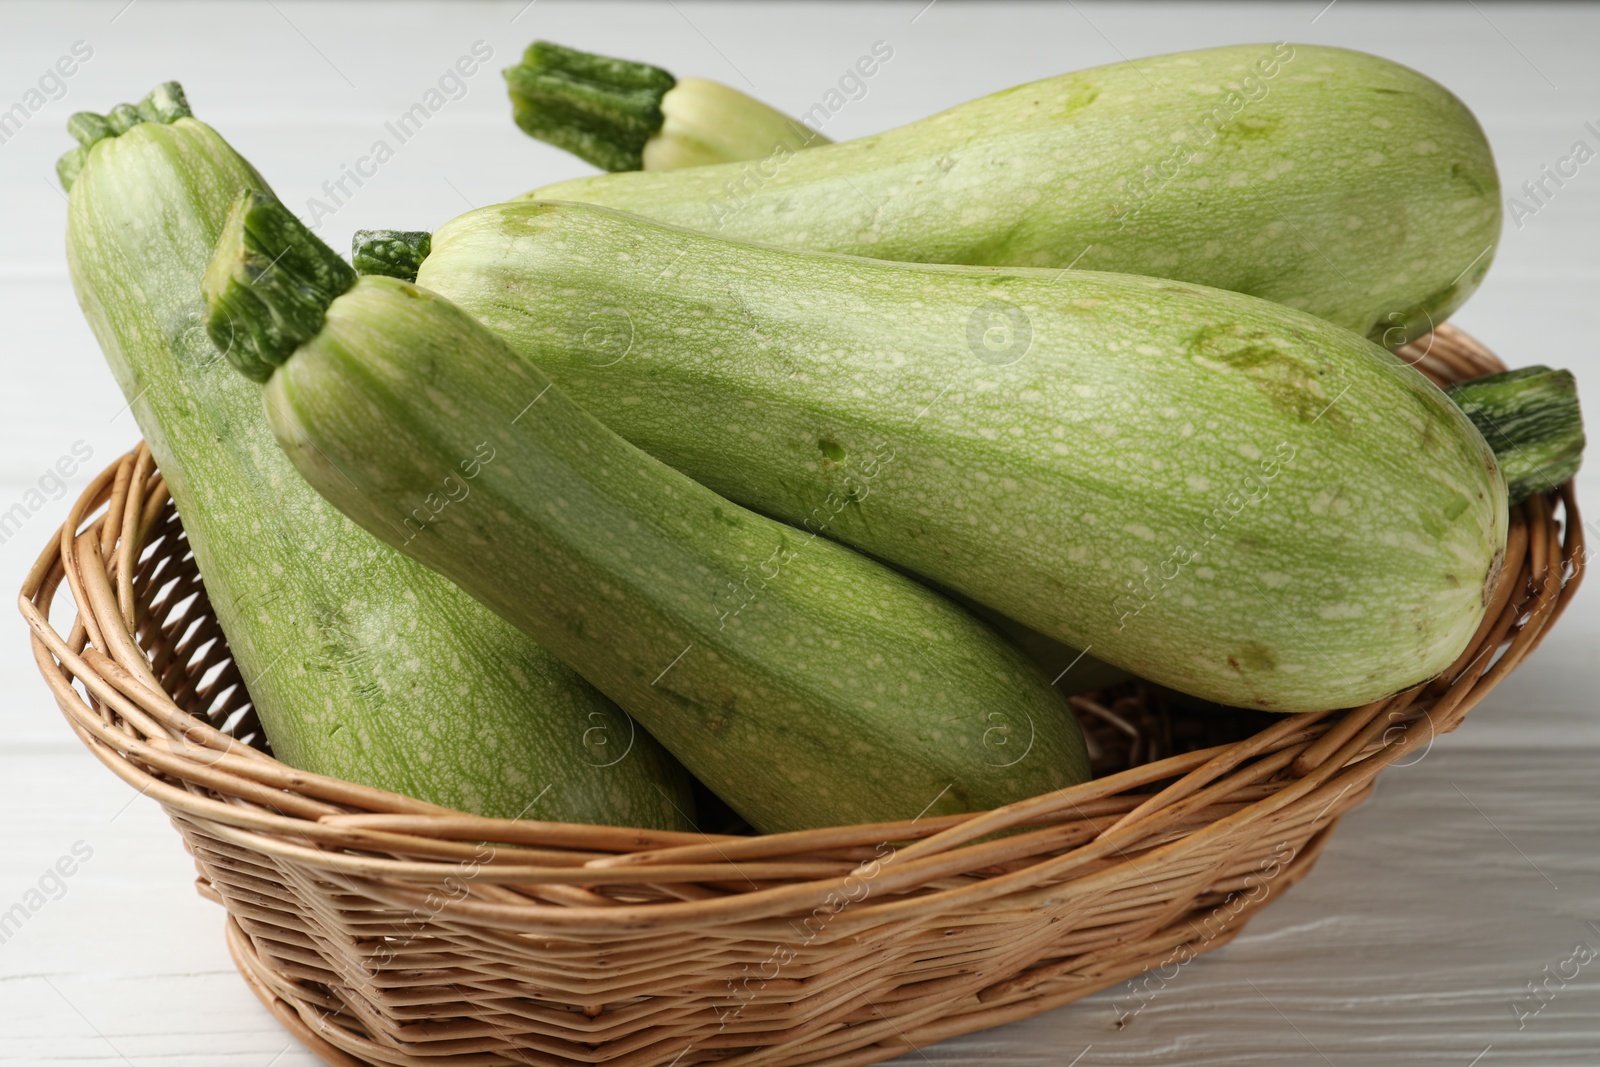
[{"x": 385, "y": 931}]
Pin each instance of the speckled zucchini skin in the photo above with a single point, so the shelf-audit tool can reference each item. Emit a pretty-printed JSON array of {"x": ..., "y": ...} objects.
[
  {"x": 361, "y": 663},
  {"x": 804, "y": 683},
  {"x": 1335, "y": 182},
  {"x": 1218, "y": 493}
]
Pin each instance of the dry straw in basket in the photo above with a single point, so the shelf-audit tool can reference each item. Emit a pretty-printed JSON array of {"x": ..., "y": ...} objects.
[{"x": 385, "y": 931}]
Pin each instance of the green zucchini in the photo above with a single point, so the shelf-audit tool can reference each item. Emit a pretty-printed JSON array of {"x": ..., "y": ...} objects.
[
  {"x": 805, "y": 684},
  {"x": 1215, "y": 492},
  {"x": 361, "y": 663},
  {"x": 1335, "y": 182},
  {"x": 620, "y": 115}
]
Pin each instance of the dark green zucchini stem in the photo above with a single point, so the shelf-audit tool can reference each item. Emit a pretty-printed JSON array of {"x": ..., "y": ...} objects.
[
  {"x": 1530, "y": 417},
  {"x": 600, "y": 109},
  {"x": 165, "y": 104},
  {"x": 269, "y": 285},
  {"x": 392, "y": 253}
]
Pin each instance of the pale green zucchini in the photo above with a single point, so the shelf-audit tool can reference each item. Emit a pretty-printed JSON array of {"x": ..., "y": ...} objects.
[
  {"x": 804, "y": 683},
  {"x": 621, "y": 115},
  {"x": 1335, "y": 182},
  {"x": 1218, "y": 493},
  {"x": 361, "y": 663}
]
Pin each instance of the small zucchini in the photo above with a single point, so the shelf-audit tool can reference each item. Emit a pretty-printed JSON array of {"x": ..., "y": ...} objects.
[{"x": 802, "y": 682}]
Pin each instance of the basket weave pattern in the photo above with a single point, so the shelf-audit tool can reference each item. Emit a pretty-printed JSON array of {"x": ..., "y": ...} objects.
[{"x": 385, "y": 931}]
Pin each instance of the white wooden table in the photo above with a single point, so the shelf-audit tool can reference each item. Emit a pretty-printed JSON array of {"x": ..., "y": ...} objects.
[{"x": 1469, "y": 878}]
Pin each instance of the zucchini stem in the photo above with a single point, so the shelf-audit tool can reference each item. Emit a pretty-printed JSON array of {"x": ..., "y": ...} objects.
[
  {"x": 269, "y": 284},
  {"x": 600, "y": 109},
  {"x": 165, "y": 104},
  {"x": 392, "y": 253},
  {"x": 621, "y": 115},
  {"x": 1531, "y": 419}
]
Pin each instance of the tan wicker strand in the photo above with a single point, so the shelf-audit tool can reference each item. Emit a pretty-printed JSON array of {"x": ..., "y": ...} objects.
[
  {"x": 127, "y": 547},
  {"x": 378, "y": 931}
]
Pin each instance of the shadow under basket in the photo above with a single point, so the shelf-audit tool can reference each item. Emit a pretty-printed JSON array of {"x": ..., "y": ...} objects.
[{"x": 384, "y": 931}]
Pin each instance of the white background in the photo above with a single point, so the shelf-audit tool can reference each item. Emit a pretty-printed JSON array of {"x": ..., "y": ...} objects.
[{"x": 1437, "y": 903}]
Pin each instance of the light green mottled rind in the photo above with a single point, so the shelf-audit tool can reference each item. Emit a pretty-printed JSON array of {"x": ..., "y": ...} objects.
[
  {"x": 805, "y": 684},
  {"x": 1349, "y": 187},
  {"x": 1044, "y": 442},
  {"x": 362, "y": 664}
]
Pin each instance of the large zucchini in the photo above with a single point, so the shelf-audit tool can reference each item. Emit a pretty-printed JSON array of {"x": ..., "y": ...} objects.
[
  {"x": 1218, "y": 493},
  {"x": 805, "y": 684},
  {"x": 361, "y": 663},
  {"x": 1332, "y": 181}
]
